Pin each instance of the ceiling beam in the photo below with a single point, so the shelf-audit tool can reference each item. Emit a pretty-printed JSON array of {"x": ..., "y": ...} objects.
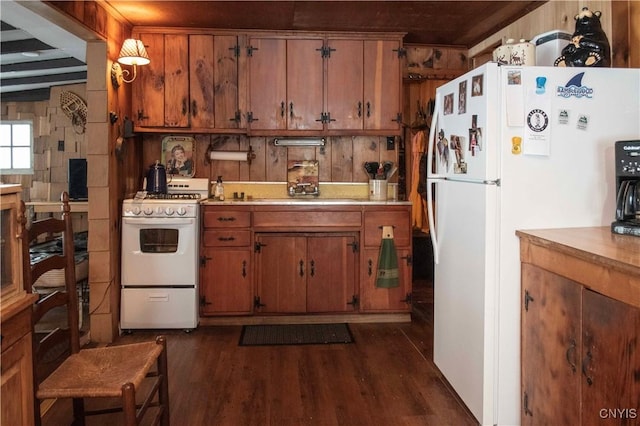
[{"x": 42, "y": 65}]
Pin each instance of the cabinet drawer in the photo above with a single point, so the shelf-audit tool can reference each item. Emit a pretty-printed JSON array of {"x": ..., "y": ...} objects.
[
  {"x": 374, "y": 221},
  {"x": 226, "y": 218},
  {"x": 226, "y": 238},
  {"x": 16, "y": 327},
  {"x": 307, "y": 219}
]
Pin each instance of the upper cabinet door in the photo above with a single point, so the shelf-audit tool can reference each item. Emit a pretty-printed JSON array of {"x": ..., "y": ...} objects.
[
  {"x": 161, "y": 91},
  {"x": 226, "y": 53},
  {"x": 305, "y": 84},
  {"x": 176, "y": 66},
  {"x": 267, "y": 83},
  {"x": 201, "y": 83},
  {"x": 213, "y": 82},
  {"x": 345, "y": 103},
  {"x": 148, "y": 88},
  {"x": 382, "y": 85}
]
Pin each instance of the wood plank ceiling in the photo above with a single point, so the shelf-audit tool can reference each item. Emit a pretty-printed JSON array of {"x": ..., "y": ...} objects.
[{"x": 451, "y": 23}]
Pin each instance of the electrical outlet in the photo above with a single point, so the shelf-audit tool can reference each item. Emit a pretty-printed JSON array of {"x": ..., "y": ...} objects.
[
  {"x": 391, "y": 143},
  {"x": 61, "y": 145}
]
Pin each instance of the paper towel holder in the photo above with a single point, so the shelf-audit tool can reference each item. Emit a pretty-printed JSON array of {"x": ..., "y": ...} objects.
[{"x": 247, "y": 156}]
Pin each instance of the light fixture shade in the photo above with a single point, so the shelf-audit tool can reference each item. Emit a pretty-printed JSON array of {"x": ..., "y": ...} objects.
[
  {"x": 133, "y": 53},
  {"x": 299, "y": 141}
]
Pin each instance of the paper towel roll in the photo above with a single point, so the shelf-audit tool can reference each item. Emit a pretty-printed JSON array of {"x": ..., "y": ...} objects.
[{"x": 228, "y": 155}]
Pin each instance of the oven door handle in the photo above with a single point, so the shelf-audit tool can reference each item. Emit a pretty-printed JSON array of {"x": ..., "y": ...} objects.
[{"x": 158, "y": 221}]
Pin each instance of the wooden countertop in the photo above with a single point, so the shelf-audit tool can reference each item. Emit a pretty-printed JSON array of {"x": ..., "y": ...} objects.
[
  {"x": 303, "y": 202},
  {"x": 10, "y": 188},
  {"x": 599, "y": 259}
]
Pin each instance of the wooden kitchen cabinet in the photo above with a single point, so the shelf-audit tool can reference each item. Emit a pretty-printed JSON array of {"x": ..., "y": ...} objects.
[
  {"x": 363, "y": 84},
  {"x": 16, "y": 362},
  {"x": 10, "y": 246},
  {"x": 372, "y": 298},
  {"x": 16, "y": 390},
  {"x": 225, "y": 262},
  {"x": 580, "y": 319},
  {"x": 285, "y": 84},
  {"x": 191, "y": 82},
  {"x": 306, "y": 272}
]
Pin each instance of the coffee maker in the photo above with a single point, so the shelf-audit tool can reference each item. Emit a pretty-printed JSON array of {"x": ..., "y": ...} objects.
[{"x": 627, "y": 169}]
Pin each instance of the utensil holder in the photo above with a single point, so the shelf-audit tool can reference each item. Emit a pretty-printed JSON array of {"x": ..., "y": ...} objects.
[{"x": 378, "y": 189}]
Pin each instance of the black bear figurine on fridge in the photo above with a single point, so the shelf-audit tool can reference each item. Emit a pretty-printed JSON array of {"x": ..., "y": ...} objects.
[{"x": 589, "y": 45}]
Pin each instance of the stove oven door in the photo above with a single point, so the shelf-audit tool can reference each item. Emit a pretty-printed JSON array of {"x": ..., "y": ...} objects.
[{"x": 159, "y": 252}]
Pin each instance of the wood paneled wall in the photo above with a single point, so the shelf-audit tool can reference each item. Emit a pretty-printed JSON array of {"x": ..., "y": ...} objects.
[
  {"x": 341, "y": 159},
  {"x": 620, "y": 21}
]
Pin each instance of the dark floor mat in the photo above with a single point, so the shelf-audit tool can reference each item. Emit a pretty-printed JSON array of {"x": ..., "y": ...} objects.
[{"x": 295, "y": 334}]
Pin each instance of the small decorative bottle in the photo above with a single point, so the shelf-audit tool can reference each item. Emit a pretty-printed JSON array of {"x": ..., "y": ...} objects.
[{"x": 219, "y": 191}]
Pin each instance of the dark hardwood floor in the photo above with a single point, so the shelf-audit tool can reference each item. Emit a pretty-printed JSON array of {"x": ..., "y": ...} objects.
[{"x": 386, "y": 377}]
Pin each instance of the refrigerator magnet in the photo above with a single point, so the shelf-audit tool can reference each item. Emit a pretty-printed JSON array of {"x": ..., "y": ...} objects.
[
  {"x": 563, "y": 116},
  {"x": 540, "y": 85},
  {"x": 457, "y": 146},
  {"x": 443, "y": 150},
  {"x": 516, "y": 145},
  {"x": 537, "y": 133},
  {"x": 462, "y": 97},
  {"x": 448, "y": 104},
  {"x": 583, "y": 122},
  {"x": 476, "y": 85},
  {"x": 475, "y": 141}
]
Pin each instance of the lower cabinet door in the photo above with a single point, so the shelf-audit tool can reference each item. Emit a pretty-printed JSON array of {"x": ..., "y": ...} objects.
[
  {"x": 17, "y": 383},
  {"x": 332, "y": 274},
  {"x": 379, "y": 299},
  {"x": 306, "y": 272},
  {"x": 281, "y": 265},
  {"x": 225, "y": 282},
  {"x": 611, "y": 361},
  {"x": 551, "y": 341}
]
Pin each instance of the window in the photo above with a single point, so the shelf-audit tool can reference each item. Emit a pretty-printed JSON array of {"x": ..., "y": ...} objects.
[{"x": 16, "y": 147}]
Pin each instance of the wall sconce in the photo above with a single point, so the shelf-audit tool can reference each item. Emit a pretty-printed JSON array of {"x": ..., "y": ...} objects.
[{"x": 132, "y": 53}]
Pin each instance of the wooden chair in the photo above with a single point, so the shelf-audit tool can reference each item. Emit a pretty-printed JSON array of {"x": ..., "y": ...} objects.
[{"x": 63, "y": 370}]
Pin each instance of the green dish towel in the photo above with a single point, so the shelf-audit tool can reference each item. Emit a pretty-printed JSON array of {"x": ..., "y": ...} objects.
[{"x": 387, "y": 276}]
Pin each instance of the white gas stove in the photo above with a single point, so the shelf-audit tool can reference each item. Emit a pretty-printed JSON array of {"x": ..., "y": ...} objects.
[{"x": 160, "y": 239}]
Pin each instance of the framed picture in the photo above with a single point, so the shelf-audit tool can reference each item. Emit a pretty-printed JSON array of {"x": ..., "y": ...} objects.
[
  {"x": 177, "y": 155},
  {"x": 462, "y": 97},
  {"x": 476, "y": 85},
  {"x": 448, "y": 104}
]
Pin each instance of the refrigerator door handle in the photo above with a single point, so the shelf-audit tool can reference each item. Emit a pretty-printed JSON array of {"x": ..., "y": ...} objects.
[
  {"x": 430, "y": 174},
  {"x": 431, "y": 142},
  {"x": 495, "y": 182},
  {"x": 430, "y": 216}
]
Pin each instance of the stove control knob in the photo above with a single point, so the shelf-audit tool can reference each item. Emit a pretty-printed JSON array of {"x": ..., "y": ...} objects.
[
  {"x": 181, "y": 211},
  {"x": 135, "y": 211},
  {"x": 169, "y": 211},
  {"x": 159, "y": 210},
  {"x": 148, "y": 211}
]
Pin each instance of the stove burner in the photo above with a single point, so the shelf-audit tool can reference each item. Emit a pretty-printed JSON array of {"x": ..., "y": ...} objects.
[{"x": 176, "y": 196}]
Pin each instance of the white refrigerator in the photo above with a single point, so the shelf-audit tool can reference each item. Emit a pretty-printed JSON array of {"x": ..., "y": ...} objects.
[{"x": 512, "y": 148}]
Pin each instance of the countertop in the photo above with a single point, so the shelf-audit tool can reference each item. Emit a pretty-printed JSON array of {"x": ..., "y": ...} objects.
[
  {"x": 596, "y": 244},
  {"x": 595, "y": 257},
  {"x": 303, "y": 202}
]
